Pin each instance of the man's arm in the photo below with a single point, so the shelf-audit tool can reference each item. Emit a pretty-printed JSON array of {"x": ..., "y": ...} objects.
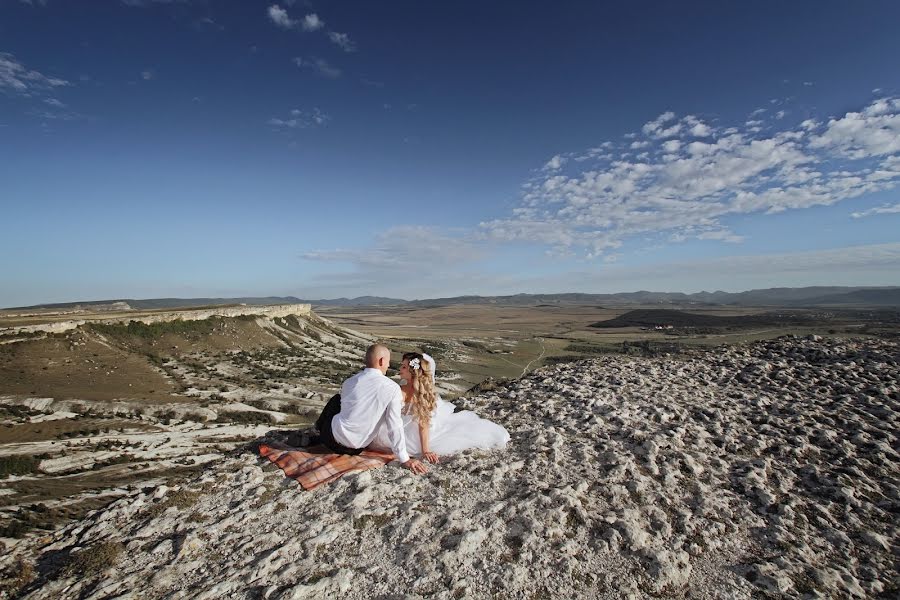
[{"x": 394, "y": 423}]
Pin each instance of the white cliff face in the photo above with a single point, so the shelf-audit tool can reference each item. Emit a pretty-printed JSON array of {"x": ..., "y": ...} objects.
[
  {"x": 770, "y": 468},
  {"x": 270, "y": 311}
]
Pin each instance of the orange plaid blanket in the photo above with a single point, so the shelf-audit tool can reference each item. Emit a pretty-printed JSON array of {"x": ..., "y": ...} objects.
[{"x": 317, "y": 466}]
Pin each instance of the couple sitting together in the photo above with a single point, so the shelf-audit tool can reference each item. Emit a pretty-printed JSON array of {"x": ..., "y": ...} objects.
[{"x": 373, "y": 412}]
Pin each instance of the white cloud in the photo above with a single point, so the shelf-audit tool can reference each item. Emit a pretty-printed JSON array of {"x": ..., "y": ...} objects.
[
  {"x": 147, "y": 75},
  {"x": 696, "y": 127},
  {"x": 404, "y": 251},
  {"x": 555, "y": 163},
  {"x": 280, "y": 17},
  {"x": 683, "y": 188},
  {"x": 301, "y": 119},
  {"x": 660, "y": 127},
  {"x": 875, "y": 131},
  {"x": 319, "y": 66},
  {"x": 886, "y": 209},
  {"x": 312, "y": 22},
  {"x": 16, "y": 79},
  {"x": 342, "y": 40},
  {"x": 671, "y": 146}
]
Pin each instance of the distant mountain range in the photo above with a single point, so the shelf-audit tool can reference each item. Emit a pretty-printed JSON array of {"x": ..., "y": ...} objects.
[{"x": 782, "y": 297}]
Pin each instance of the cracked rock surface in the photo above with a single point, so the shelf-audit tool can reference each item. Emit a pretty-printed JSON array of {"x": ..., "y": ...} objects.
[{"x": 770, "y": 468}]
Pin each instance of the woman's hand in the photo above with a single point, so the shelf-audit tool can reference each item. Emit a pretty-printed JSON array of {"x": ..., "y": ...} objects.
[
  {"x": 430, "y": 457},
  {"x": 415, "y": 466}
]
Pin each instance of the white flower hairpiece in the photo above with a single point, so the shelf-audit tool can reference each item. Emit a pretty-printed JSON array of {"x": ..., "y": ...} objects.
[{"x": 414, "y": 364}]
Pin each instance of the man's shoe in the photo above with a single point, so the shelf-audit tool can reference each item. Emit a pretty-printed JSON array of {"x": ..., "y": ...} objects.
[{"x": 304, "y": 438}]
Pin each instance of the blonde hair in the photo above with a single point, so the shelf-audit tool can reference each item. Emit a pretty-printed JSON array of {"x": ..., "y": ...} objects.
[{"x": 424, "y": 398}]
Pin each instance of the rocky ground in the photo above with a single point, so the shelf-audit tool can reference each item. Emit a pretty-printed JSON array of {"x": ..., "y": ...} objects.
[{"x": 769, "y": 469}]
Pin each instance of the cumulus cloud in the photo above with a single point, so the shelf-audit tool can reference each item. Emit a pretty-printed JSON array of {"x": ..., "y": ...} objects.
[
  {"x": 312, "y": 22},
  {"x": 696, "y": 127},
  {"x": 671, "y": 146},
  {"x": 301, "y": 119},
  {"x": 690, "y": 178},
  {"x": 319, "y": 66},
  {"x": 662, "y": 126},
  {"x": 342, "y": 40},
  {"x": 874, "y": 131},
  {"x": 280, "y": 17},
  {"x": 555, "y": 163}
]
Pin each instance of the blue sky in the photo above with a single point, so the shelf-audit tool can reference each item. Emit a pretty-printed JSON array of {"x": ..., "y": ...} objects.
[{"x": 155, "y": 148}]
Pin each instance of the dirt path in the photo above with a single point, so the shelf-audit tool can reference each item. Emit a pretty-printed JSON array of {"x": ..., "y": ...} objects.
[{"x": 533, "y": 360}]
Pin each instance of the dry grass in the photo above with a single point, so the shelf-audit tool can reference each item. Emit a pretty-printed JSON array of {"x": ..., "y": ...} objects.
[
  {"x": 376, "y": 521},
  {"x": 15, "y": 577},
  {"x": 180, "y": 498},
  {"x": 93, "y": 560}
]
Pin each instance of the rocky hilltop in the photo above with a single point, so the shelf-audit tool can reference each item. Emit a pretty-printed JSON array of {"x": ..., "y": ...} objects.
[
  {"x": 769, "y": 469},
  {"x": 159, "y": 316},
  {"x": 137, "y": 399}
]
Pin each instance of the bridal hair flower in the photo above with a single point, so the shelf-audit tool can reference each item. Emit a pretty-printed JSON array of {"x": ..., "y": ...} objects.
[{"x": 414, "y": 364}]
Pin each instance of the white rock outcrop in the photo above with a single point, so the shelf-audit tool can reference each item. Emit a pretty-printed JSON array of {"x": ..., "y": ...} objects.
[
  {"x": 730, "y": 473},
  {"x": 271, "y": 311}
]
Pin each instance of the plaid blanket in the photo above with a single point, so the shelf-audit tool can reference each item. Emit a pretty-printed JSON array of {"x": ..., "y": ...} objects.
[{"x": 316, "y": 466}]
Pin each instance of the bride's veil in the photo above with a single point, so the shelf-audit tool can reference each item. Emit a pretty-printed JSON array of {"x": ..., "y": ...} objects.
[
  {"x": 428, "y": 358},
  {"x": 431, "y": 362}
]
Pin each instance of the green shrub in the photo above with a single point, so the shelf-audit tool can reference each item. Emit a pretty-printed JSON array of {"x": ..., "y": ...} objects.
[
  {"x": 155, "y": 330},
  {"x": 18, "y": 411},
  {"x": 248, "y": 417},
  {"x": 18, "y": 464}
]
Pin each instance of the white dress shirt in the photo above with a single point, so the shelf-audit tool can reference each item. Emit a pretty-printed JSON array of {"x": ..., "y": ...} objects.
[{"x": 370, "y": 402}]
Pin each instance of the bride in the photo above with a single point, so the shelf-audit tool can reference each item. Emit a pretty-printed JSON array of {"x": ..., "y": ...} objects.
[{"x": 430, "y": 426}]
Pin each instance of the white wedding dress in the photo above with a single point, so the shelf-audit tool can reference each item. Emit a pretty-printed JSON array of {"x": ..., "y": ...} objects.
[{"x": 450, "y": 432}]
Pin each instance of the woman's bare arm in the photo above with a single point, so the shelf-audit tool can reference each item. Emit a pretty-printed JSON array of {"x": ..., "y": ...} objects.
[{"x": 423, "y": 438}]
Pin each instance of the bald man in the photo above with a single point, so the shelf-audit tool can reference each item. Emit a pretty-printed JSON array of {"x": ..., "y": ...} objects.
[{"x": 368, "y": 401}]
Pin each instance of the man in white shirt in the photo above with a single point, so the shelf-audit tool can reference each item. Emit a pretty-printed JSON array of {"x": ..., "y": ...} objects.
[{"x": 368, "y": 401}]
